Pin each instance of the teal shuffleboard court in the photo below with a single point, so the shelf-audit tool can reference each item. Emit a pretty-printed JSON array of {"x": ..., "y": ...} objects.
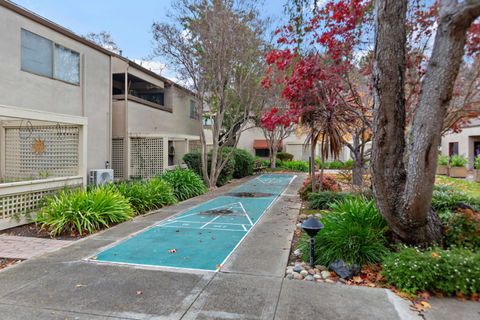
[{"x": 204, "y": 236}]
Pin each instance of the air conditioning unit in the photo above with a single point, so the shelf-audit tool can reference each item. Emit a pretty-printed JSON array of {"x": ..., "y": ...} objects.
[{"x": 100, "y": 177}]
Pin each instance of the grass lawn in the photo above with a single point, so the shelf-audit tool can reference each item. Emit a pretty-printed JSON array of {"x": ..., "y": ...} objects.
[{"x": 470, "y": 187}]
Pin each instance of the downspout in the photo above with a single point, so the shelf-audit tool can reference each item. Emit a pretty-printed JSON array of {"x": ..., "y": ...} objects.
[
  {"x": 110, "y": 112},
  {"x": 84, "y": 111}
]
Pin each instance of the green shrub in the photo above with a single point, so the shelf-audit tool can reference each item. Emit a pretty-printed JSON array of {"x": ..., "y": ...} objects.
[
  {"x": 353, "y": 231},
  {"x": 284, "y": 156},
  {"x": 147, "y": 195},
  {"x": 476, "y": 163},
  {"x": 194, "y": 162},
  {"x": 458, "y": 161},
  {"x": 295, "y": 165},
  {"x": 450, "y": 271},
  {"x": 348, "y": 164},
  {"x": 243, "y": 162},
  {"x": 323, "y": 200},
  {"x": 443, "y": 160},
  {"x": 83, "y": 211},
  {"x": 185, "y": 183},
  {"x": 463, "y": 230},
  {"x": 335, "y": 164},
  {"x": 445, "y": 200}
]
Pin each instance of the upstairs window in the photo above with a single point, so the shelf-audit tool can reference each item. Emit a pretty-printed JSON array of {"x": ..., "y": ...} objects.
[
  {"x": 46, "y": 58},
  {"x": 193, "y": 109},
  {"x": 37, "y": 54},
  {"x": 67, "y": 65}
]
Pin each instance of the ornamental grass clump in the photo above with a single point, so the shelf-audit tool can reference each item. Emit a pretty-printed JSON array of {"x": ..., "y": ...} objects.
[
  {"x": 323, "y": 200},
  {"x": 185, "y": 183},
  {"x": 147, "y": 195},
  {"x": 455, "y": 271},
  {"x": 354, "y": 231},
  {"x": 83, "y": 212}
]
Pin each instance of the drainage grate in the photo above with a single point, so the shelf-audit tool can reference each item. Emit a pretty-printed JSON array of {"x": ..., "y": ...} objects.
[{"x": 250, "y": 194}]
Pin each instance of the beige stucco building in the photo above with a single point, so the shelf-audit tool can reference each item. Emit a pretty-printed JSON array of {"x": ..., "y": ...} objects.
[
  {"x": 68, "y": 106},
  {"x": 466, "y": 142},
  {"x": 253, "y": 140}
]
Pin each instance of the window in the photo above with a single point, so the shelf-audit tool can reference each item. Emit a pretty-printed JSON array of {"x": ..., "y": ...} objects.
[
  {"x": 453, "y": 148},
  {"x": 193, "y": 109},
  {"x": 67, "y": 65},
  {"x": 263, "y": 153},
  {"x": 37, "y": 54},
  {"x": 45, "y": 58}
]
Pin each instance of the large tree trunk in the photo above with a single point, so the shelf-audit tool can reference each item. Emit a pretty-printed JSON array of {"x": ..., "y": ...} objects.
[
  {"x": 357, "y": 171},
  {"x": 404, "y": 194}
]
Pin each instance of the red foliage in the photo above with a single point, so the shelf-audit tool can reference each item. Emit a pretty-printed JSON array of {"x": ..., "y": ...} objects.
[
  {"x": 274, "y": 118},
  {"x": 329, "y": 184}
]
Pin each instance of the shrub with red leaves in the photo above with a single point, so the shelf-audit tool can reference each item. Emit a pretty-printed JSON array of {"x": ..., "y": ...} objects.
[{"x": 329, "y": 184}]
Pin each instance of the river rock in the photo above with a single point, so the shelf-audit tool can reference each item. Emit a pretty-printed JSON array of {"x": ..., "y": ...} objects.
[
  {"x": 309, "y": 278},
  {"x": 297, "y": 276}
]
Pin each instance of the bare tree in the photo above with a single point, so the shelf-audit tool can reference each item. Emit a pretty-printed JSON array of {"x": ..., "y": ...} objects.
[
  {"x": 216, "y": 46},
  {"x": 403, "y": 174},
  {"x": 465, "y": 102},
  {"x": 103, "y": 39}
]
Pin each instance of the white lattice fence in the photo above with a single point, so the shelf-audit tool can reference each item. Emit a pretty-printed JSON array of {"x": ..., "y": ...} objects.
[
  {"x": 20, "y": 200},
  {"x": 41, "y": 152},
  {"x": 118, "y": 158},
  {"x": 146, "y": 157}
]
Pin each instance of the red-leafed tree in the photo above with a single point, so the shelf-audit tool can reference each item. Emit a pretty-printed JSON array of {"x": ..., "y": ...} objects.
[
  {"x": 408, "y": 118},
  {"x": 277, "y": 124},
  {"x": 316, "y": 59}
]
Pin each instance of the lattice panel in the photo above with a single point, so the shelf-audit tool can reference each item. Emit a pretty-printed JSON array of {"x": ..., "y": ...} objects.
[
  {"x": 41, "y": 152},
  {"x": 15, "y": 205},
  {"x": 146, "y": 157},
  {"x": 118, "y": 158},
  {"x": 194, "y": 146}
]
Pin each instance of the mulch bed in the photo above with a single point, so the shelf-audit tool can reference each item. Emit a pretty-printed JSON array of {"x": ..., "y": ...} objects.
[
  {"x": 6, "y": 262},
  {"x": 32, "y": 230}
]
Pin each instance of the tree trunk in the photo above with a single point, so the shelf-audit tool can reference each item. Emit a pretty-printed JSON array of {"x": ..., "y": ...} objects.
[
  {"x": 312, "y": 166},
  {"x": 403, "y": 195},
  {"x": 357, "y": 171},
  {"x": 273, "y": 154}
]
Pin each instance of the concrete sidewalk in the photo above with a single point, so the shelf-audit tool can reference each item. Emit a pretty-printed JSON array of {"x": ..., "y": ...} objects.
[{"x": 251, "y": 285}]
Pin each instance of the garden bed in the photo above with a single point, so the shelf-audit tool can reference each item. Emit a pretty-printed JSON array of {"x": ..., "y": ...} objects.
[
  {"x": 355, "y": 231},
  {"x": 32, "y": 230},
  {"x": 369, "y": 276}
]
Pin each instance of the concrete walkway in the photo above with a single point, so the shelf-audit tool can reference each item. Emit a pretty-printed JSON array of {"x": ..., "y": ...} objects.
[
  {"x": 251, "y": 285},
  {"x": 17, "y": 247}
]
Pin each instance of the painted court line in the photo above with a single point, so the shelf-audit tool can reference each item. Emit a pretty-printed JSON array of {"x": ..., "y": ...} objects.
[
  {"x": 201, "y": 229},
  {"x": 245, "y": 211},
  {"x": 279, "y": 185},
  {"x": 206, "y": 224},
  {"x": 258, "y": 220}
]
